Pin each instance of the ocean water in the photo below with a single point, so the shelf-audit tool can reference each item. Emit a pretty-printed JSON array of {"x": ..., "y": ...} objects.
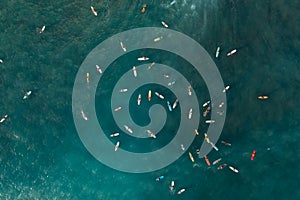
[{"x": 41, "y": 154}]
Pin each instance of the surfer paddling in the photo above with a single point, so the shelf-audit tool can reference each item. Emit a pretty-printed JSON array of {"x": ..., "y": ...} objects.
[
  {"x": 164, "y": 24},
  {"x": 151, "y": 134},
  {"x": 117, "y": 146},
  {"x": 139, "y": 99},
  {"x": 3, "y": 118},
  {"x": 134, "y": 71},
  {"x": 191, "y": 157},
  {"x": 231, "y": 52},
  {"x": 98, "y": 68},
  {"x": 27, "y": 94},
  {"x": 94, "y": 11},
  {"x": 217, "y": 52},
  {"x": 42, "y": 29}
]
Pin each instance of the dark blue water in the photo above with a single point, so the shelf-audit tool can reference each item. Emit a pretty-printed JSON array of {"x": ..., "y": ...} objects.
[{"x": 42, "y": 156}]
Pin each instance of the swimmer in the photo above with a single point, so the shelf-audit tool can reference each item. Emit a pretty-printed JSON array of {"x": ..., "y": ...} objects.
[
  {"x": 172, "y": 185},
  {"x": 182, "y": 147},
  {"x": 114, "y": 134},
  {"x": 83, "y": 115},
  {"x": 117, "y": 109},
  {"x": 158, "y": 39},
  {"x": 217, "y": 161},
  {"x": 128, "y": 129},
  {"x": 164, "y": 24},
  {"x": 123, "y": 46},
  {"x": 139, "y": 99},
  {"x": 232, "y": 52},
  {"x": 117, "y": 146},
  {"x": 175, "y": 104},
  {"x": 159, "y": 95},
  {"x": 3, "y": 118},
  {"x": 225, "y": 143},
  {"x": 263, "y": 97},
  {"x": 206, "y": 111},
  {"x": 150, "y": 66},
  {"x": 210, "y": 121},
  {"x": 27, "y": 94},
  {"x": 94, "y": 11},
  {"x": 149, "y": 95},
  {"x": 134, "y": 71},
  {"x": 221, "y": 105},
  {"x": 190, "y": 113},
  {"x": 42, "y": 29},
  {"x": 99, "y": 69},
  {"x": 191, "y": 157},
  {"x": 196, "y": 132},
  {"x": 151, "y": 134},
  {"x": 87, "y": 78},
  {"x": 144, "y": 8},
  {"x": 181, "y": 191},
  {"x": 143, "y": 58},
  {"x": 205, "y": 104},
  {"x": 217, "y": 52},
  {"x": 226, "y": 88},
  {"x": 222, "y": 166},
  {"x": 123, "y": 90},
  {"x": 189, "y": 90}
]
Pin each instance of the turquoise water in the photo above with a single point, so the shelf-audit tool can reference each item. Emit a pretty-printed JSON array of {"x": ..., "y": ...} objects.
[{"x": 42, "y": 156}]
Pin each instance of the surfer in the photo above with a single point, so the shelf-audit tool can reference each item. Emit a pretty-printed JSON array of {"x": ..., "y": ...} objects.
[
  {"x": 190, "y": 113},
  {"x": 263, "y": 97},
  {"x": 175, "y": 104},
  {"x": 42, "y": 29},
  {"x": 151, "y": 134},
  {"x": 159, "y": 95},
  {"x": 3, "y": 118},
  {"x": 232, "y": 52},
  {"x": 94, "y": 11},
  {"x": 172, "y": 185},
  {"x": 117, "y": 146},
  {"x": 158, "y": 38},
  {"x": 182, "y": 147},
  {"x": 123, "y": 46},
  {"x": 225, "y": 143},
  {"x": 222, "y": 166},
  {"x": 210, "y": 121},
  {"x": 150, "y": 66},
  {"x": 83, "y": 115},
  {"x": 206, "y": 104},
  {"x": 99, "y": 69},
  {"x": 189, "y": 90},
  {"x": 196, "y": 132},
  {"x": 144, "y": 8},
  {"x": 221, "y": 105},
  {"x": 87, "y": 78},
  {"x": 171, "y": 83},
  {"x": 191, "y": 157},
  {"x": 124, "y": 90},
  {"x": 217, "y": 161},
  {"x": 233, "y": 169},
  {"x": 114, "y": 134},
  {"x": 169, "y": 106},
  {"x": 143, "y": 58},
  {"x": 206, "y": 160},
  {"x": 27, "y": 94},
  {"x": 149, "y": 95},
  {"x": 181, "y": 191},
  {"x": 217, "y": 52},
  {"x": 253, "y": 154},
  {"x": 159, "y": 178},
  {"x": 139, "y": 99},
  {"x": 226, "y": 88},
  {"x": 206, "y": 111},
  {"x": 134, "y": 71},
  {"x": 128, "y": 129},
  {"x": 164, "y": 24},
  {"x": 118, "y": 108}
]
